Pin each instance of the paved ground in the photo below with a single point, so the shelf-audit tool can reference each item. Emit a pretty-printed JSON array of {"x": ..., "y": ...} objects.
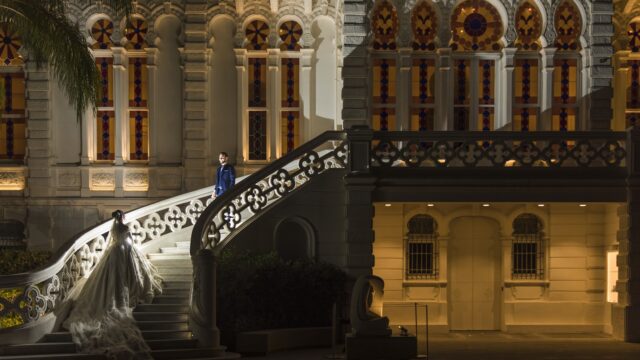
[{"x": 501, "y": 346}]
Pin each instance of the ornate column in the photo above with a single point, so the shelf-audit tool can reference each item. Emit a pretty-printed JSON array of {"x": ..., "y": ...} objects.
[
  {"x": 546, "y": 86},
  {"x": 120, "y": 103},
  {"x": 508, "y": 66},
  {"x": 620, "y": 88},
  {"x": 242, "y": 101},
  {"x": 444, "y": 82},
  {"x": 273, "y": 104},
  {"x": 151, "y": 88}
]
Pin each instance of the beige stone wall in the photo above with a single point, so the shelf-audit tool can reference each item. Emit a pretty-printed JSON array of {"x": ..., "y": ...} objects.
[{"x": 570, "y": 297}]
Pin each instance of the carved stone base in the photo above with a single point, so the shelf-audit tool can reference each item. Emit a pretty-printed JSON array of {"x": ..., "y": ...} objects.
[{"x": 369, "y": 348}]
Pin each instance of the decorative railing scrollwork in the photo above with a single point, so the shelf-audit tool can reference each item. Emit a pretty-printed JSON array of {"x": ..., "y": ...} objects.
[
  {"x": 498, "y": 149},
  {"x": 237, "y": 207},
  {"x": 26, "y": 298}
]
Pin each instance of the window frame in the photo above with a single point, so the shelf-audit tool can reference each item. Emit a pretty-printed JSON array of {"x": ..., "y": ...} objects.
[{"x": 422, "y": 238}]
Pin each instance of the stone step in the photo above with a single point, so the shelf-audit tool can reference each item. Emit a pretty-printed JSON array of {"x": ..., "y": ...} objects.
[
  {"x": 174, "y": 250},
  {"x": 64, "y": 356},
  {"x": 161, "y": 316},
  {"x": 160, "y": 308},
  {"x": 193, "y": 354},
  {"x": 160, "y": 256},
  {"x": 183, "y": 244},
  {"x": 62, "y": 337},
  {"x": 182, "y": 262},
  {"x": 171, "y": 270},
  {"x": 163, "y": 325},
  {"x": 168, "y": 299},
  {"x": 40, "y": 348},
  {"x": 175, "y": 292},
  {"x": 177, "y": 277},
  {"x": 173, "y": 284},
  {"x": 166, "y": 344}
]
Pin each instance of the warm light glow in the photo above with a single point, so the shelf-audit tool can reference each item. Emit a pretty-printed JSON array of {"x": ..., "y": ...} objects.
[
  {"x": 12, "y": 179},
  {"x": 510, "y": 163},
  {"x": 583, "y": 205},
  {"x": 540, "y": 205},
  {"x": 387, "y": 205},
  {"x": 612, "y": 276},
  {"x": 430, "y": 205},
  {"x": 486, "y": 205}
]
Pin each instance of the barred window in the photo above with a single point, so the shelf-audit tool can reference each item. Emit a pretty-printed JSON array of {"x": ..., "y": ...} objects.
[
  {"x": 527, "y": 250},
  {"x": 422, "y": 249}
]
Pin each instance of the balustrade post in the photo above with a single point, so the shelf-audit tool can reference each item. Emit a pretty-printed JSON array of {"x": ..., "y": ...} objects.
[
  {"x": 202, "y": 316},
  {"x": 626, "y": 313},
  {"x": 359, "y": 137}
]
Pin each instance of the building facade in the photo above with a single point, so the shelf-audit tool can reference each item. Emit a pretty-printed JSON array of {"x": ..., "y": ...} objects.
[{"x": 184, "y": 80}]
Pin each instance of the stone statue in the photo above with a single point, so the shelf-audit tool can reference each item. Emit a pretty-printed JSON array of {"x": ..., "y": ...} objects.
[{"x": 367, "y": 293}]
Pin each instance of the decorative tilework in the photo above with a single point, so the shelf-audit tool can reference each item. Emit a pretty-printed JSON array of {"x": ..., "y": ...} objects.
[
  {"x": 290, "y": 33},
  {"x": 384, "y": 23},
  {"x": 257, "y": 35},
  {"x": 424, "y": 25},
  {"x": 568, "y": 26},
  {"x": 101, "y": 32},
  {"x": 476, "y": 25},
  {"x": 528, "y": 27},
  {"x": 136, "y": 32},
  {"x": 11, "y": 43}
]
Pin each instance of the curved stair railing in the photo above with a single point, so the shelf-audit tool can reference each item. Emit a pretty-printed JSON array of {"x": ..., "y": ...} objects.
[
  {"x": 26, "y": 299},
  {"x": 239, "y": 207}
]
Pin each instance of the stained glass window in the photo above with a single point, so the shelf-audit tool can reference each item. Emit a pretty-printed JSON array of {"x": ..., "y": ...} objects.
[
  {"x": 525, "y": 101},
  {"x": 257, "y": 82},
  {"x": 290, "y": 33},
  {"x": 257, "y": 35},
  {"x": 105, "y": 135},
  {"x": 13, "y": 117},
  {"x": 476, "y": 26},
  {"x": 384, "y": 94},
  {"x": 257, "y": 103},
  {"x": 424, "y": 24},
  {"x": 101, "y": 32},
  {"x": 633, "y": 94},
  {"x": 10, "y": 45},
  {"x": 257, "y": 135},
  {"x": 290, "y": 104},
  {"x": 384, "y": 23},
  {"x": 568, "y": 26},
  {"x": 422, "y": 94},
  {"x": 565, "y": 87},
  {"x": 461, "y": 94},
  {"x": 138, "y": 109},
  {"x": 633, "y": 32},
  {"x": 486, "y": 94},
  {"x": 139, "y": 135},
  {"x": 136, "y": 32},
  {"x": 528, "y": 27},
  {"x": 138, "y": 80}
]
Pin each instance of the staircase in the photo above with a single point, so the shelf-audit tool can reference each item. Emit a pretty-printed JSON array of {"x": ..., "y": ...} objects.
[{"x": 164, "y": 323}]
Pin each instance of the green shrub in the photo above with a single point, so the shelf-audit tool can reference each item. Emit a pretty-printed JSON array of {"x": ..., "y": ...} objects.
[
  {"x": 19, "y": 261},
  {"x": 262, "y": 291}
]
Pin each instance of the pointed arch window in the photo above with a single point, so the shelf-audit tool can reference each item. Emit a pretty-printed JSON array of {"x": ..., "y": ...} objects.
[
  {"x": 424, "y": 27},
  {"x": 384, "y": 23},
  {"x": 527, "y": 250},
  {"x": 135, "y": 32},
  {"x": 290, "y": 33},
  {"x": 568, "y": 26},
  {"x": 526, "y": 106},
  {"x": 632, "y": 89},
  {"x": 476, "y": 39},
  {"x": 422, "y": 256},
  {"x": 13, "y": 116},
  {"x": 101, "y": 32}
]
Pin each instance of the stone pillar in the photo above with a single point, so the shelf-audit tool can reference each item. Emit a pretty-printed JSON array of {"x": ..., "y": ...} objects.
[
  {"x": 403, "y": 108},
  {"x": 626, "y": 313},
  {"x": 152, "y": 84},
  {"x": 601, "y": 74},
  {"x": 620, "y": 88},
  {"x": 546, "y": 88},
  {"x": 120, "y": 103},
  {"x": 273, "y": 104},
  {"x": 359, "y": 211},
  {"x": 195, "y": 94},
  {"x": 444, "y": 82},
  {"x": 355, "y": 70},
  {"x": 508, "y": 66},
  {"x": 242, "y": 93},
  {"x": 306, "y": 56},
  {"x": 202, "y": 315}
]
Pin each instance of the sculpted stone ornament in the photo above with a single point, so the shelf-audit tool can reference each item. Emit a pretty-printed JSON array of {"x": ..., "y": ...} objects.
[{"x": 367, "y": 294}]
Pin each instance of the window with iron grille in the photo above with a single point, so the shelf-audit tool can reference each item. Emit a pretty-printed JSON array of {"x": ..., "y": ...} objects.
[
  {"x": 422, "y": 249},
  {"x": 527, "y": 250}
]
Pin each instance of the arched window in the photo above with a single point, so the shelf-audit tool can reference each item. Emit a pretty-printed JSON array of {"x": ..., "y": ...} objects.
[
  {"x": 135, "y": 32},
  {"x": 526, "y": 73},
  {"x": 527, "y": 251},
  {"x": 290, "y": 33},
  {"x": 384, "y": 24},
  {"x": 568, "y": 25},
  {"x": 421, "y": 261},
  {"x": 101, "y": 32},
  {"x": 476, "y": 28},
  {"x": 13, "y": 114},
  {"x": 257, "y": 33},
  {"x": 424, "y": 26}
]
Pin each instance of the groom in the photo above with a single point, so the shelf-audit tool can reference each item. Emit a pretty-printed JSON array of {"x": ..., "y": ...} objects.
[{"x": 225, "y": 175}]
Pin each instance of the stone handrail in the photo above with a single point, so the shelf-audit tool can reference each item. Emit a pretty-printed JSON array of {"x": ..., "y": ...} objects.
[
  {"x": 237, "y": 207},
  {"x": 497, "y": 149},
  {"x": 26, "y": 298}
]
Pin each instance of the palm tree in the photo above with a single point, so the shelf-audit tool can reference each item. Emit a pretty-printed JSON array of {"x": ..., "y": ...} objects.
[{"x": 51, "y": 38}]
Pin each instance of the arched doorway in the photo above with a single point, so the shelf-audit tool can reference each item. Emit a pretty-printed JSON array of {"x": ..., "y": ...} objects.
[
  {"x": 474, "y": 274},
  {"x": 294, "y": 239}
]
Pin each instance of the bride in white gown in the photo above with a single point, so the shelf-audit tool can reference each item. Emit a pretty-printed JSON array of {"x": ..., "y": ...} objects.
[{"x": 101, "y": 320}]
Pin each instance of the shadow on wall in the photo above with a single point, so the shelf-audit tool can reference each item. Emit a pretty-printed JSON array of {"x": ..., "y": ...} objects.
[{"x": 324, "y": 81}]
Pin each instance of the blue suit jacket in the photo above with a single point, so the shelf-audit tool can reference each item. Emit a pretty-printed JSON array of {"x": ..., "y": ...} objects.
[{"x": 225, "y": 178}]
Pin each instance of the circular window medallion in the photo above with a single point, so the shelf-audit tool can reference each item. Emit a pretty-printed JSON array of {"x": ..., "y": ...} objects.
[{"x": 475, "y": 24}]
